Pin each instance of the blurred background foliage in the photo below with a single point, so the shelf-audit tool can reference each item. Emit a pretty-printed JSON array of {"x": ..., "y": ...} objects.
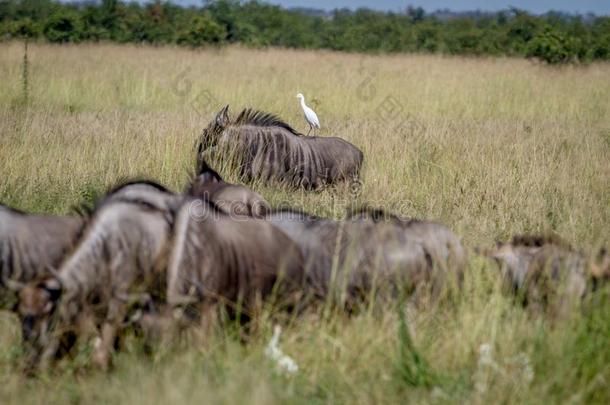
[{"x": 552, "y": 37}]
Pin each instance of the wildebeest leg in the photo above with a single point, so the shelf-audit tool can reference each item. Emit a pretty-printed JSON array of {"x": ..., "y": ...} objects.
[
  {"x": 47, "y": 357},
  {"x": 209, "y": 321},
  {"x": 103, "y": 346},
  {"x": 109, "y": 331},
  {"x": 158, "y": 328}
]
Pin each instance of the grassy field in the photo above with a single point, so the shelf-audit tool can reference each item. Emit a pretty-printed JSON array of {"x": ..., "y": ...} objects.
[{"x": 490, "y": 147}]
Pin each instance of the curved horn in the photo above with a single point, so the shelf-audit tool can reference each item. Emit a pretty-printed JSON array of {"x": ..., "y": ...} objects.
[{"x": 220, "y": 116}]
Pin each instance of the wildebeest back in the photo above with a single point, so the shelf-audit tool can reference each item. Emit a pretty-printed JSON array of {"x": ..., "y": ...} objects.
[{"x": 219, "y": 259}]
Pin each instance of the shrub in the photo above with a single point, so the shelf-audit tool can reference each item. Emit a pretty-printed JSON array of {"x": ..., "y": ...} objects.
[
  {"x": 63, "y": 28},
  {"x": 202, "y": 30},
  {"x": 24, "y": 28},
  {"x": 552, "y": 48}
]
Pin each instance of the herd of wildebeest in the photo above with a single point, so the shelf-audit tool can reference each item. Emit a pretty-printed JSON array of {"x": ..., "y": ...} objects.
[{"x": 147, "y": 258}]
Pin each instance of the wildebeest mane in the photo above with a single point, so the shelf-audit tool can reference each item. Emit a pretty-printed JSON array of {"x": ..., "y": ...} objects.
[
  {"x": 113, "y": 190},
  {"x": 121, "y": 184},
  {"x": 373, "y": 213},
  {"x": 11, "y": 209},
  {"x": 249, "y": 116},
  {"x": 295, "y": 211},
  {"x": 539, "y": 240},
  {"x": 377, "y": 215},
  {"x": 87, "y": 210}
]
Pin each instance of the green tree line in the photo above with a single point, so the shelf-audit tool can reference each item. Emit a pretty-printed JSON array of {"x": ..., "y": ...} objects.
[{"x": 553, "y": 37}]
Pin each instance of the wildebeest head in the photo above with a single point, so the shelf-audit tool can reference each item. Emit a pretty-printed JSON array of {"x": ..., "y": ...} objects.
[
  {"x": 30, "y": 244},
  {"x": 516, "y": 257},
  {"x": 546, "y": 274},
  {"x": 600, "y": 267},
  {"x": 513, "y": 261},
  {"x": 37, "y": 303},
  {"x": 205, "y": 179},
  {"x": 211, "y": 133},
  {"x": 233, "y": 199}
]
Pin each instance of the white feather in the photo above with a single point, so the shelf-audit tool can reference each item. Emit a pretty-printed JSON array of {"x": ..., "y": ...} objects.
[
  {"x": 284, "y": 363},
  {"x": 310, "y": 115}
]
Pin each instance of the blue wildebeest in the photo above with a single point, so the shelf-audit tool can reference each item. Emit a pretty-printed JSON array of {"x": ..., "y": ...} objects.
[
  {"x": 363, "y": 252},
  {"x": 263, "y": 147}
]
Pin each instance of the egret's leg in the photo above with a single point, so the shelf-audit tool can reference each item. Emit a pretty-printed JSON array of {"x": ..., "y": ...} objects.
[{"x": 309, "y": 129}]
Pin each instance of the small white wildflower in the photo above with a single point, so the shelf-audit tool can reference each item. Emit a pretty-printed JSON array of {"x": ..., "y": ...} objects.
[
  {"x": 438, "y": 393},
  {"x": 486, "y": 364},
  {"x": 485, "y": 354},
  {"x": 284, "y": 362},
  {"x": 524, "y": 366},
  {"x": 480, "y": 386}
]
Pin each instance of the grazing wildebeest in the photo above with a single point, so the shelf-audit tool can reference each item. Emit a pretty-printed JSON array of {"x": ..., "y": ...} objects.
[
  {"x": 444, "y": 247},
  {"x": 232, "y": 198},
  {"x": 261, "y": 146},
  {"x": 119, "y": 258},
  {"x": 31, "y": 245},
  {"x": 546, "y": 272},
  {"x": 216, "y": 259},
  {"x": 520, "y": 255},
  {"x": 362, "y": 252},
  {"x": 121, "y": 241}
]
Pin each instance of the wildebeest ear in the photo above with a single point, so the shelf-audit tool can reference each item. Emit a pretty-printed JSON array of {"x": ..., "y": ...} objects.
[
  {"x": 260, "y": 208},
  {"x": 222, "y": 118},
  {"x": 53, "y": 287},
  {"x": 204, "y": 169}
]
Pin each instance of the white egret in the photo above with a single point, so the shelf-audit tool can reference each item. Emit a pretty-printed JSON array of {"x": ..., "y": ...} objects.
[
  {"x": 310, "y": 115},
  {"x": 283, "y": 362}
]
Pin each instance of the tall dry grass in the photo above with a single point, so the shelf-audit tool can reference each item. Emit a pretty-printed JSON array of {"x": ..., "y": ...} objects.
[{"x": 490, "y": 147}]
